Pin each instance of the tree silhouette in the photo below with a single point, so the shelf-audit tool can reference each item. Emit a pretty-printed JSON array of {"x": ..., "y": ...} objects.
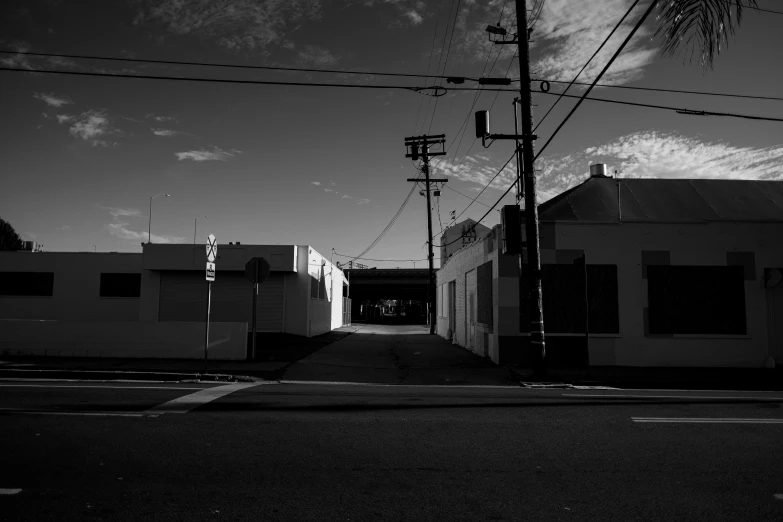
[{"x": 9, "y": 239}]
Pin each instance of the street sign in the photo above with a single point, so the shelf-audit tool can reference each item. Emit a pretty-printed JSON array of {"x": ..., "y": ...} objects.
[
  {"x": 211, "y": 248},
  {"x": 210, "y": 271},
  {"x": 261, "y": 265}
]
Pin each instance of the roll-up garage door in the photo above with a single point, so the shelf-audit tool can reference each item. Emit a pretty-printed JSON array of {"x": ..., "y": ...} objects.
[{"x": 183, "y": 297}]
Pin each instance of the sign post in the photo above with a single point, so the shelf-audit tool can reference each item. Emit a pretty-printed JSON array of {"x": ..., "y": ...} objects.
[
  {"x": 211, "y": 257},
  {"x": 256, "y": 270}
]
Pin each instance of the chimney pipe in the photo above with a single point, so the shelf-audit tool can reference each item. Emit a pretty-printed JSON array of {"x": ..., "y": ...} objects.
[{"x": 598, "y": 170}]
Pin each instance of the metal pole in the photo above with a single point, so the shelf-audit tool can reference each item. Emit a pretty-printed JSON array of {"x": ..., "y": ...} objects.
[
  {"x": 537, "y": 339},
  {"x": 587, "y": 312},
  {"x": 431, "y": 285},
  {"x": 195, "y": 221},
  {"x": 520, "y": 190},
  {"x": 206, "y": 337},
  {"x": 255, "y": 300},
  {"x": 149, "y": 229}
]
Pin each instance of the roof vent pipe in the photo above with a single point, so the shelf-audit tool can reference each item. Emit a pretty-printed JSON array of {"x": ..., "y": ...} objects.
[{"x": 598, "y": 170}]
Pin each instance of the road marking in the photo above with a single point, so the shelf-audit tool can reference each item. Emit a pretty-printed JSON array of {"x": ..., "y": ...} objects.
[
  {"x": 78, "y": 413},
  {"x": 372, "y": 384},
  {"x": 9, "y": 491},
  {"x": 705, "y": 420},
  {"x": 99, "y": 387},
  {"x": 771, "y": 399},
  {"x": 194, "y": 400}
]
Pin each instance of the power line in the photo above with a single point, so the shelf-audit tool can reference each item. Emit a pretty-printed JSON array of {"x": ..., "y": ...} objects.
[
  {"x": 380, "y": 260},
  {"x": 416, "y": 89},
  {"x": 448, "y": 51},
  {"x": 223, "y": 65},
  {"x": 660, "y": 89},
  {"x": 486, "y": 187},
  {"x": 429, "y": 66},
  {"x": 606, "y": 40},
  {"x": 461, "y": 194},
  {"x": 756, "y": 8}
]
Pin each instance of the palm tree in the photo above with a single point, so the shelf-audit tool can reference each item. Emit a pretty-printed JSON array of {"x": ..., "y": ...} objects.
[{"x": 701, "y": 26}]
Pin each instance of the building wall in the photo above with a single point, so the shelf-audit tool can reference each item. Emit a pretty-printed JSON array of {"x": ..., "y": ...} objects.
[
  {"x": 325, "y": 311},
  {"x": 622, "y": 245},
  {"x": 76, "y": 295},
  {"x": 451, "y": 240},
  {"x": 227, "y": 341}
]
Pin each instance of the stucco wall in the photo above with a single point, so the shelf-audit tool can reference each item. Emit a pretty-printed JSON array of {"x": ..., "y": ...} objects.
[
  {"x": 123, "y": 339},
  {"x": 76, "y": 295},
  {"x": 324, "y": 314},
  {"x": 622, "y": 245}
]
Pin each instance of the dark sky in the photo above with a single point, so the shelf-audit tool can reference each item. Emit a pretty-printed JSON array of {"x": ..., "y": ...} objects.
[{"x": 326, "y": 166}]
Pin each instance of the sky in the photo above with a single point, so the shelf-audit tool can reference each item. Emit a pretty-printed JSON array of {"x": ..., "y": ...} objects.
[{"x": 326, "y": 166}]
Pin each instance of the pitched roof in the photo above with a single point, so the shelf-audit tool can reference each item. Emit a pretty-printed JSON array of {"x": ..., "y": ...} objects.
[{"x": 674, "y": 200}]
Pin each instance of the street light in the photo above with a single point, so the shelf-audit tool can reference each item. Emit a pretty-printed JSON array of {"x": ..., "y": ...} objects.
[
  {"x": 195, "y": 223},
  {"x": 149, "y": 231}
]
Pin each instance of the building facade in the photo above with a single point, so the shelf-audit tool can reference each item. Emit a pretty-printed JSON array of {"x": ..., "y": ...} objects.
[
  {"x": 678, "y": 273},
  {"x": 163, "y": 291},
  {"x": 459, "y": 235}
]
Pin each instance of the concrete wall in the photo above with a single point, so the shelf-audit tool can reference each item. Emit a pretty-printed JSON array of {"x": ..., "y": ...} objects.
[
  {"x": 281, "y": 258},
  {"x": 122, "y": 339},
  {"x": 324, "y": 314},
  {"x": 622, "y": 244},
  {"x": 76, "y": 295}
]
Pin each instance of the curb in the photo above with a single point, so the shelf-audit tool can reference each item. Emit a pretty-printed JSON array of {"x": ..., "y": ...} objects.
[{"x": 104, "y": 375}]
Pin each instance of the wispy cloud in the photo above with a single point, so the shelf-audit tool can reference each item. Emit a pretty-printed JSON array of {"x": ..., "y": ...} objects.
[
  {"x": 414, "y": 17},
  {"x": 314, "y": 56},
  {"x": 122, "y": 231},
  {"x": 64, "y": 118},
  {"x": 122, "y": 212},
  {"x": 216, "y": 154},
  {"x": 52, "y": 99},
  {"x": 360, "y": 201},
  {"x": 168, "y": 133},
  {"x": 91, "y": 125},
  {"x": 242, "y": 24},
  {"x": 151, "y": 116},
  {"x": 315, "y": 183}
]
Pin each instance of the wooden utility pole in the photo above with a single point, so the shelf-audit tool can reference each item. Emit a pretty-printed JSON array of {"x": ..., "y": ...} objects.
[
  {"x": 531, "y": 222},
  {"x": 420, "y": 148}
]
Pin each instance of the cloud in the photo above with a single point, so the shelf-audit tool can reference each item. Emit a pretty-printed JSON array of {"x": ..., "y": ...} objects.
[
  {"x": 315, "y": 183},
  {"x": 91, "y": 125},
  {"x": 151, "y": 116},
  {"x": 346, "y": 196},
  {"x": 167, "y": 133},
  {"x": 363, "y": 201},
  {"x": 64, "y": 118},
  {"x": 65, "y": 227},
  {"x": 312, "y": 55},
  {"x": 414, "y": 17},
  {"x": 216, "y": 154},
  {"x": 233, "y": 24},
  {"x": 122, "y": 231},
  {"x": 52, "y": 99},
  {"x": 122, "y": 212}
]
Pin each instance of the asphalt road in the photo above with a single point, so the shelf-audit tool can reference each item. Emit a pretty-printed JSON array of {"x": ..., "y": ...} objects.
[{"x": 194, "y": 451}]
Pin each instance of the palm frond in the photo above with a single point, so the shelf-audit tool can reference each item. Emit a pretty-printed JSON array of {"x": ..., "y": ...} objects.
[{"x": 702, "y": 26}]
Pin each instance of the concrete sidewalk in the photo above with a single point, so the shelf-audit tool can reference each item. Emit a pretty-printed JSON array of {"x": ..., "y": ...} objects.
[
  {"x": 398, "y": 354},
  {"x": 275, "y": 353}
]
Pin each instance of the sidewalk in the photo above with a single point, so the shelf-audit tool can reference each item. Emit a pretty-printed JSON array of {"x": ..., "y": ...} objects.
[
  {"x": 756, "y": 379},
  {"x": 275, "y": 353}
]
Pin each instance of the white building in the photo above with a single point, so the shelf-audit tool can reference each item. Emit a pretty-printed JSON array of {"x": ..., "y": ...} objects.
[
  {"x": 458, "y": 236},
  {"x": 153, "y": 304},
  {"x": 679, "y": 273}
]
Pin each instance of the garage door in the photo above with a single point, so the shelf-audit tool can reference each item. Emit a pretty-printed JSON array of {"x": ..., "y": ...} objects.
[{"x": 183, "y": 297}]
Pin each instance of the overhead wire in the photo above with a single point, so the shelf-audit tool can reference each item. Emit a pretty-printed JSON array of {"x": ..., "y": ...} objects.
[
  {"x": 446, "y": 60},
  {"x": 606, "y": 67},
  {"x": 606, "y": 40},
  {"x": 429, "y": 65}
]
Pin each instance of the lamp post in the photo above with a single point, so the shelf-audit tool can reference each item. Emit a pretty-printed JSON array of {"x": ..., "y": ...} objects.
[
  {"x": 195, "y": 223},
  {"x": 149, "y": 230}
]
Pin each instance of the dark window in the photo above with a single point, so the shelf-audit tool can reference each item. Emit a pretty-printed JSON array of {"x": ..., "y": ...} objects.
[
  {"x": 484, "y": 291},
  {"x": 563, "y": 291},
  {"x": 314, "y": 286},
  {"x": 23, "y": 284},
  {"x": 120, "y": 285},
  {"x": 696, "y": 300}
]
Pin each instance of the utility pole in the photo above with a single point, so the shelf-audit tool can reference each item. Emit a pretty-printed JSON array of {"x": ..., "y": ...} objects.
[
  {"x": 420, "y": 147},
  {"x": 531, "y": 222}
]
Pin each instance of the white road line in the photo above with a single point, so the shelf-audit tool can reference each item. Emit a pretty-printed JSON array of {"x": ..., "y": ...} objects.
[
  {"x": 76, "y": 413},
  {"x": 10, "y": 491},
  {"x": 194, "y": 400},
  {"x": 771, "y": 399},
  {"x": 377, "y": 385},
  {"x": 705, "y": 420},
  {"x": 99, "y": 387}
]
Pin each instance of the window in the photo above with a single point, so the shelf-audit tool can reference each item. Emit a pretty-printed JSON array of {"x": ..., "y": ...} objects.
[
  {"x": 120, "y": 285},
  {"x": 484, "y": 291},
  {"x": 27, "y": 284},
  {"x": 314, "y": 283},
  {"x": 563, "y": 289},
  {"x": 696, "y": 300}
]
